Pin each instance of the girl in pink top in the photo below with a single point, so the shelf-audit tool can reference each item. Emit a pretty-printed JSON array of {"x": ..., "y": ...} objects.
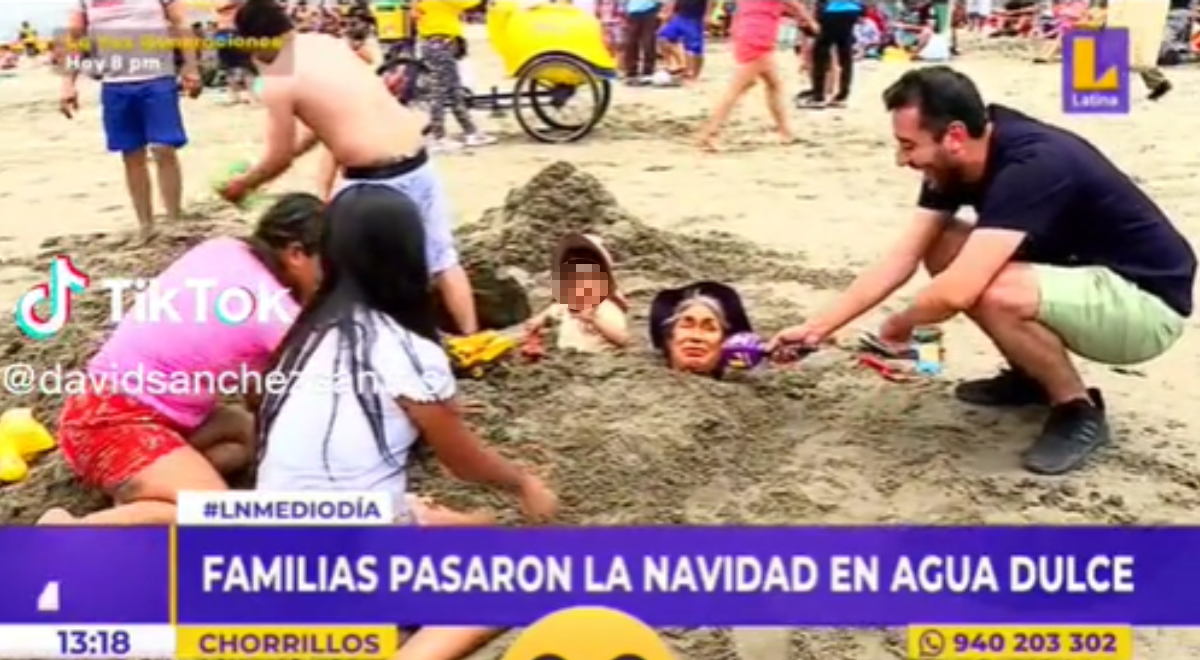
[
  {"x": 755, "y": 32},
  {"x": 151, "y": 424}
]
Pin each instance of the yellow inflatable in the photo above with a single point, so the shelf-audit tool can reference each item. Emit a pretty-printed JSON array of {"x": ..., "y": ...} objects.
[
  {"x": 522, "y": 33},
  {"x": 22, "y": 438}
]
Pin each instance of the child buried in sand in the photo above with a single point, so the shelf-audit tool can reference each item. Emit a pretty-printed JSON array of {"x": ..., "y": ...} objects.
[
  {"x": 591, "y": 311},
  {"x": 144, "y": 446},
  {"x": 372, "y": 323}
]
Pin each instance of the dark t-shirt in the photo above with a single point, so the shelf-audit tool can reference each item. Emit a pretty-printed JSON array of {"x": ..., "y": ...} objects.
[
  {"x": 694, "y": 9},
  {"x": 1075, "y": 207}
]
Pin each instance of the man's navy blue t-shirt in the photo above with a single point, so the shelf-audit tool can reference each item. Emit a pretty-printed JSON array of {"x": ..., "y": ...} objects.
[{"x": 1075, "y": 207}]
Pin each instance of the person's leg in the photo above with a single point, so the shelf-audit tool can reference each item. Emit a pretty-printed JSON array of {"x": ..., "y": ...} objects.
[
  {"x": 693, "y": 48},
  {"x": 773, "y": 86},
  {"x": 632, "y": 48},
  {"x": 132, "y": 453},
  {"x": 845, "y": 56},
  {"x": 438, "y": 56},
  {"x": 821, "y": 58},
  {"x": 124, "y": 129},
  {"x": 649, "y": 48},
  {"x": 744, "y": 78},
  {"x": 226, "y": 439},
  {"x": 164, "y": 130},
  {"x": 831, "y": 78},
  {"x": 449, "y": 277},
  {"x": 444, "y": 642},
  {"x": 1145, "y": 20},
  {"x": 1012, "y": 387}
]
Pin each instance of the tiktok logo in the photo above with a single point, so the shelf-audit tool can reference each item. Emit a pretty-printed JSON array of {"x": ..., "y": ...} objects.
[{"x": 65, "y": 281}]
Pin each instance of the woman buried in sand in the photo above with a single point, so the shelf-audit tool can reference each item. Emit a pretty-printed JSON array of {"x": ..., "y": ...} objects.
[
  {"x": 373, "y": 324},
  {"x": 755, "y": 33},
  {"x": 143, "y": 446},
  {"x": 591, "y": 312},
  {"x": 690, "y": 325}
]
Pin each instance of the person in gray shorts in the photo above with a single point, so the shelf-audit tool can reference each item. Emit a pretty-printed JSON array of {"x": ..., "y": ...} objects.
[{"x": 416, "y": 179}]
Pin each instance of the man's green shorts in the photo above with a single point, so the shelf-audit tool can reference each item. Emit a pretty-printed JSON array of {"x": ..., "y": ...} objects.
[{"x": 1103, "y": 317}]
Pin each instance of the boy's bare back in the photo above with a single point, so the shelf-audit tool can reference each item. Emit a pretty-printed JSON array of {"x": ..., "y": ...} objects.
[{"x": 323, "y": 83}]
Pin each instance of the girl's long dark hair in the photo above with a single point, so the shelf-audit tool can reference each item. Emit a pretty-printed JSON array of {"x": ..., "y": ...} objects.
[{"x": 372, "y": 255}]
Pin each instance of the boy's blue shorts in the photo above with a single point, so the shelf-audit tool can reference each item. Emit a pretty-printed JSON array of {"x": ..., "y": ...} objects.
[
  {"x": 141, "y": 113},
  {"x": 688, "y": 31}
]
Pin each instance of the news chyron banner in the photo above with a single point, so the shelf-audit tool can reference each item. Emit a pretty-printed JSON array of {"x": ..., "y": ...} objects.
[{"x": 319, "y": 577}]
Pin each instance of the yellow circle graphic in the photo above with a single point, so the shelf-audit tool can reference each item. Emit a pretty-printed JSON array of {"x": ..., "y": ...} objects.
[{"x": 588, "y": 633}]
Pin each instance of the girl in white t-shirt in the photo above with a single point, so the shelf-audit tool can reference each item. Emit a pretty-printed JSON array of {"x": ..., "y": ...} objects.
[{"x": 368, "y": 378}]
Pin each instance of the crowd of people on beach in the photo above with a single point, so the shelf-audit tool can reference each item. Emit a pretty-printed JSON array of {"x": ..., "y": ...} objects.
[{"x": 1067, "y": 257}]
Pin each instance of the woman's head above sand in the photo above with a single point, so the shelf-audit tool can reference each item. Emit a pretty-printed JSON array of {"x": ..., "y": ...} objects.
[{"x": 689, "y": 325}]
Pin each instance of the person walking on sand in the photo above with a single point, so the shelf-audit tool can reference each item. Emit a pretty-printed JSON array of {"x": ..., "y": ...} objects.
[
  {"x": 641, "y": 40},
  {"x": 140, "y": 103},
  {"x": 755, "y": 32},
  {"x": 836, "y": 20},
  {"x": 1145, "y": 20}
]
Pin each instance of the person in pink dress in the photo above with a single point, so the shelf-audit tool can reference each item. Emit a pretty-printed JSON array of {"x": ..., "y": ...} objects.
[{"x": 755, "y": 33}]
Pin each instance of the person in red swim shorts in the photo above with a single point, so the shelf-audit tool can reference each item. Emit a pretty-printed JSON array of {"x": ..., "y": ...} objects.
[
  {"x": 151, "y": 423},
  {"x": 755, "y": 33}
]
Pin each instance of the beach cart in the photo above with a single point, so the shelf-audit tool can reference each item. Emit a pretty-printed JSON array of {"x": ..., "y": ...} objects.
[{"x": 562, "y": 71}]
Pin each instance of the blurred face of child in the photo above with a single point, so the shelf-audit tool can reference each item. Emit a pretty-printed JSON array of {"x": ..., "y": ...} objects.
[
  {"x": 587, "y": 286},
  {"x": 696, "y": 338}
]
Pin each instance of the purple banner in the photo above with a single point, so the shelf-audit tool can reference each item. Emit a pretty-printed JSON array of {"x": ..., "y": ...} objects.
[
  {"x": 84, "y": 575},
  {"x": 691, "y": 576}
]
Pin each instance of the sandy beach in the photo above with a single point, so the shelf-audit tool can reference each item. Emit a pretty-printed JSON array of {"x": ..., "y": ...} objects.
[{"x": 623, "y": 440}]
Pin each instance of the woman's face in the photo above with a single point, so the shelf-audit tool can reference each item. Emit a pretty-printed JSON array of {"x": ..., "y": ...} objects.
[
  {"x": 696, "y": 337},
  {"x": 302, "y": 270}
]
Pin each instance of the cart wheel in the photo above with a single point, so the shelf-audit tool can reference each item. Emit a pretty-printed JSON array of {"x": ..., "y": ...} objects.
[{"x": 551, "y": 120}]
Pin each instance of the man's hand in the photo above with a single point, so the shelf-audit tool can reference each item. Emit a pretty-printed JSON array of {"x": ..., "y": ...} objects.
[
  {"x": 68, "y": 99},
  {"x": 896, "y": 331},
  {"x": 235, "y": 191},
  {"x": 193, "y": 85},
  {"x": 810, "y": 334}
]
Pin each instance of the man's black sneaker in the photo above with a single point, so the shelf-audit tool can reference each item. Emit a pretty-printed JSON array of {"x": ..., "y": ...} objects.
[
  {"x": 1009, "y": 388},
  {"x": 1073, "y": 431},
  {"x": 1160, "y": 90}
]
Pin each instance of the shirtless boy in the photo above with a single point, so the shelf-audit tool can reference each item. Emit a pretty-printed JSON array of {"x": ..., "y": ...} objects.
[{"x": 309, "y": 81}]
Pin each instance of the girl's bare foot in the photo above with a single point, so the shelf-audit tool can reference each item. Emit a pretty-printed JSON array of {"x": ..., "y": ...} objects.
[
  {"x": 786, "y": 138},
  {"x": 708, "y": 143},
  {"x": 57, "y": 516}
]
